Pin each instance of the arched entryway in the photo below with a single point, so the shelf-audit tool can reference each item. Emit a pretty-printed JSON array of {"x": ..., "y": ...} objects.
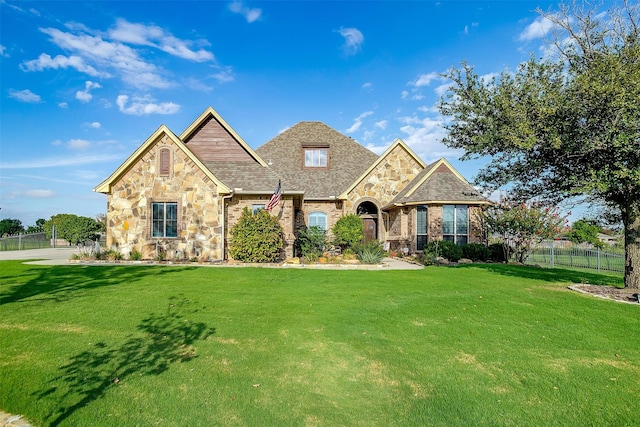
[{"x": 368, "y": 212}]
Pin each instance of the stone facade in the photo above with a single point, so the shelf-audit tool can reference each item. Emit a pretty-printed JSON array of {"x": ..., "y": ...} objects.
[{"x": 199, "y": 219}]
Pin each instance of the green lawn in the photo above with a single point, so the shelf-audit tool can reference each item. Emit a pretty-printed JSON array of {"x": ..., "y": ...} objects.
[{"x": 473, "y": 346}]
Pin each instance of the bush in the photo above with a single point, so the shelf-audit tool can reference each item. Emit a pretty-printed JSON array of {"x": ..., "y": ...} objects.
[
  {"x": 135, "y": 255},
  {"x": 496, "y": 252},
  {"x": 311, "y": 242},
  {"x": 475, "y": 252},
  {"x": 370, "y": 252},
  {"x": 256, "y": 237},
  {"x": 348, "y": 231},
  {"x": 445, "y": 249}
]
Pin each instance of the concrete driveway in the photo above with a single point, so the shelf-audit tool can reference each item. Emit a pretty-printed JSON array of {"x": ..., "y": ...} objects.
[{"x": 47, "y": 256}]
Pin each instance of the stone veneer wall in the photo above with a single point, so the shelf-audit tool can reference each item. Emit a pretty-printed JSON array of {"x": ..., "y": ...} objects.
[
  {"x": 199, "y": 220},
  {"x": 284, "y": 211},
  {"x": 384, "y": 182},
  {"x": 333, "y": 209}
]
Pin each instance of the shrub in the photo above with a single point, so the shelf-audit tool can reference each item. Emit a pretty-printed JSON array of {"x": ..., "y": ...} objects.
[
  {"x": 348, "y": 231},
  {"x": 256, "y": 237},
  {"x": 370, "y": 252},
  {"x": 445, "y": 249},
  {"x": 135, "y": 255},
  {"x": 496, "y": 252},
  {"x": 311, "y": 242},
  {"x": 475, "y": 252}
]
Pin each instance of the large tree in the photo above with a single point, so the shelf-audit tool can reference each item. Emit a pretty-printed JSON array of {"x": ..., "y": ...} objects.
[{"x": 563, "y": 126}]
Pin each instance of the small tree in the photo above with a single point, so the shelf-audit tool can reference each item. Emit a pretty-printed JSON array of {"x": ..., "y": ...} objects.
[
  {"x": 256, "y": 237},
  {"x": 73, "y": 228},
  {"x": 348, "y": 231},
  {"x": 10, "y": 226},
  {"x": 522, "y": 225},
  {"x": 585, "y": 231},
  {"x": 311, "y": 242},
  {"x": 38, "y": 227}
]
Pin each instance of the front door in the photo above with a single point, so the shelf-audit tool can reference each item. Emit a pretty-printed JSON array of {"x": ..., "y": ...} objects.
[{"x": 370, "y": 229}]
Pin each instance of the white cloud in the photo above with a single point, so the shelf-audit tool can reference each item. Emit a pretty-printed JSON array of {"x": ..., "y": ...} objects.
[
  {"x": 425, "y": 135},
  {"x": 537, "y": 29},
  {"x": 45, "y": 61},
  {"x": 63, "y": 105},
  {"x": 151, "y": 35},
  {"x": 358, "y": 122},
  {"x": 85, "y": 95},
  {"x": 78, "y": 144},
  {"x": 353, "y": 40},
  {"x": 250, "y": 14},
  {"x": 25, "y": 96},
  {"x": 140, "y": 106},
  {"x": 60, "y": 161},
  {"x": 39, "y": 194},
  {"x": 225, "y": 75},
  {"x": 382, "y": 124},
  {"x": 368, "y": 86},
  {"x": 3, "y": 49},
  {"x": 94, "y": 125},
  {"x": 404, "y": 94},
  {"x": 426, "y": 79}
]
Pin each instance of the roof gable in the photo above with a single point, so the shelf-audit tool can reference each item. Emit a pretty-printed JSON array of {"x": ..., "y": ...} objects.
[
  {"x": 397, "y": 144},
  {"x": 439, "y": 182},
  {"x": 162, "y": 131},
  {"x": 211, "y": 139}
]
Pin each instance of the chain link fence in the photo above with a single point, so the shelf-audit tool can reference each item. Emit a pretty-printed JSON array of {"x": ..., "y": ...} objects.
[{"x": 25, "y": 241}]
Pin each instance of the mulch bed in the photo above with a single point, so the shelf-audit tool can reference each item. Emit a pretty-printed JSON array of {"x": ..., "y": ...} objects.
[{"x": 608, "y": 292}]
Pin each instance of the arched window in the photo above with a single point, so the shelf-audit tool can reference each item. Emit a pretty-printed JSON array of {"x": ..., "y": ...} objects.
[
  {"x": 165, "y": 161},
  {"x": 318, "y": 219}
]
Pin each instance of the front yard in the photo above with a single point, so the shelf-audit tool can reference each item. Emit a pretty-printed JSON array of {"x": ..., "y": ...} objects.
[{"x": 469, "y": 345}]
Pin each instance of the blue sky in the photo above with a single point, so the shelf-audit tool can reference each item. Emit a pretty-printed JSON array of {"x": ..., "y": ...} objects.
[{"x": 83, "y": 84}]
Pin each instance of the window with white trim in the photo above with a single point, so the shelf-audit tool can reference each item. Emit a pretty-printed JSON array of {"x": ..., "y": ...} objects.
[
  {"x": 318, "y": 219},
  {"x": 315, "y": 157},
  {"x": 455, "y": 223},
  {"x": 257, "y": 208},
  {"x": 164, "y": 222}
]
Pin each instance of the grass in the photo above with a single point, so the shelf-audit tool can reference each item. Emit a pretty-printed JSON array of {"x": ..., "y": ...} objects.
[{"x": 473, "y": 345}]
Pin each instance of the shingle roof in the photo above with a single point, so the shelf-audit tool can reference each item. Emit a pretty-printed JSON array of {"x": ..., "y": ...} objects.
[
  {"x": 438, "y": 182},
  {"x": 347, "y": 159},
  {"x": 249, "y": 176}
]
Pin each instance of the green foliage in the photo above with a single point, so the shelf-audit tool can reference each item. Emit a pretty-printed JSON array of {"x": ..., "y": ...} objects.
[
  {"x": 311, "y": 242},
  {"x": 497, "y": 252},
  {"x": 445, "y": 249},
  {"x": 564, "y": 126},
  {"x": 74, "y": 229},
  {"x": 522, "y": 225},
  {"x": 585, "y": 231},
  {"x": 38, "y": 227},
  {"x": 10, "y": 227},
  {"x": 348, "y": 231},
  {"x": 135, "y": 255},
  {"x": 475, "y": 251},
  {"x": 256, "y": 237},
  {"x": 370, "y": 252}
]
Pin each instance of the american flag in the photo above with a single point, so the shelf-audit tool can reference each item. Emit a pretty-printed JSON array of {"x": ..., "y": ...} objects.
[{"x": 275, "y": 199}]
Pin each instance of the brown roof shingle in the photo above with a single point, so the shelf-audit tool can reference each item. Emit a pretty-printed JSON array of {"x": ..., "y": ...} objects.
[{"x": 347, "y": 160}]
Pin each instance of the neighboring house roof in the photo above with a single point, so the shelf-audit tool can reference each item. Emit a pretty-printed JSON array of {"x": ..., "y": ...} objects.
[
  {"x": 105, "y": 186},
  {"x": 245, "y": 176},
  {"x": 285, "y": 155},
  {"x": 439, "y": 182}
]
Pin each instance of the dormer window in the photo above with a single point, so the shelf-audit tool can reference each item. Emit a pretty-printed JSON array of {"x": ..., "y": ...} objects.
[{"x": 316, "y": 156}]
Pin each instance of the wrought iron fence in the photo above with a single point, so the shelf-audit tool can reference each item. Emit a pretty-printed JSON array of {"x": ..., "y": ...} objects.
[{"x": 576, "y": 257}]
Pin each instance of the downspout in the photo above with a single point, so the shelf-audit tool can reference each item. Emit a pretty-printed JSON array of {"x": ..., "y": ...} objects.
[{"x": 224, "y": 240}]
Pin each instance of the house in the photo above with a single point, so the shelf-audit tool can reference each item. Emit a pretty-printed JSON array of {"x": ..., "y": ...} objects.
[{"x": 182, "y": 193}]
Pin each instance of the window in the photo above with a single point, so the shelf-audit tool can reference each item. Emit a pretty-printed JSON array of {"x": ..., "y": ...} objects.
[
  {"x": 165, "y": 219},
  {"x": 318, "y": 219},
  {"x": 257, "y": 208},
  {"x": 421, "y": 227},
  {"x": 455, "y": 223},
  {"x": 315, "y": 158},
  {"x": 165, "y": 161}
]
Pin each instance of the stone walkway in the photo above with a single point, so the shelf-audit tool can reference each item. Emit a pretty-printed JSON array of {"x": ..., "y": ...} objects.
[{"x": 8, "y": 420}]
